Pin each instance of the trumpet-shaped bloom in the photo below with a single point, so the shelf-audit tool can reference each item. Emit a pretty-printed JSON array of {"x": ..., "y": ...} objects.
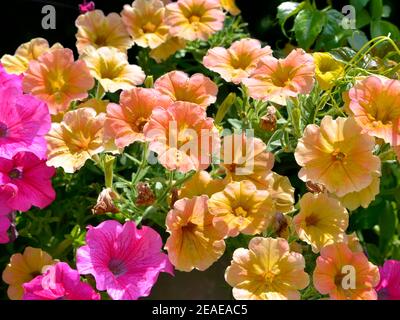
[
  {"x": 125, "y": 121},
  {"x": 179, "y": 86},
  {"x": 238, "y": 61},
  {"x": 321, "y": 221},
  {"x": 389, "y": 284},
  {"x": 23, "y": 268},
  {"x": 230, "y": 6},
  {"x": 345, "y": 275},
  {"x": 275, "y": 80},
  {"x": 112, "y": 69},
  {"x": 59, "y": 282},
  {"x": 245, "y": 158},
  {"x": 5, "y": 224},
  {"x": 194, "y": 19},
  {"x": 24, "y": 120},
  {"x": 26, "y": 52},
  {"x": 193, "y": 242},
  {"x": 338, "y": 155},
  {"x": 124, "y": 260},
  {"x": 362, "y": 198},
  {"x": 57, "y": 79},
  {"x": 97, "y": 30},
  {"x": 183, "y": 136},
  {"x": 268, "y": 270},
  {"x": 241, "y": 208},
  {"x": 167, "y": 49},
  {"x": 201, "y": 183},
  {"x": 375, "y": 104},
  {"x": 76, "y": 139},
  {"x": 144, "y": 21},
  {"x": 327, "y": 70},
  {"x": 30, "y": 180}
]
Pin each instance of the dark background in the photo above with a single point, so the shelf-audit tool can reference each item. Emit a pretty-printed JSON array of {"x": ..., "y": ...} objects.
[{"x": 21, "y": 19}]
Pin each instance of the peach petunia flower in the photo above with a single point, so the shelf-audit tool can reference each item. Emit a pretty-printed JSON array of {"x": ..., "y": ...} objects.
[
  {"x": 238, "y": 61},
  {"x": 275, "y": 80},
  {"x": 194, "y": 243},
  {"x": 125, "y": 121},
  {"x": 183, "y": 136},
  {"x": 201, "y": 183},
  {"x": 97, "y": 104},
  {"x": 167, "y": 49},
  {"x": 268, "y": 270},
  {"x": 179, "y": 86},
  {"x": 281, "y": 191},
  {"x": 362, "y": 198},
  {"x": 241, "y": 208},
  {"x": 195, "y": 19},
  {"x": 97, "y": 30},
  {"x": 345, "y": 275},
  {"x": 23, "y": 268},
  {"x": 26, "y": 52},
  {"x": 57, "y": 79},
  {"x": 245, "y": 158},
  {"x": 322, "y": 220},
  {"x": 76, "y": 139},
  {"x": 338, "y": 155},
  {"x": 230, "y": 6},
  {"x": 112, "y": 69},
  {"x": 375, "y": 104},
  {"x": 144, "y": 21}
]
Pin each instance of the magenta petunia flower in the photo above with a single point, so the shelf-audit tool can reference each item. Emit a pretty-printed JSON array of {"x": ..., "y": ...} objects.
[
  {"x": 389, "y": 284},
  {"x": 30, "y": 179},
  {"x": 59, "y": 282},
  {"x": 24, "y": 121},
  {"x": 6, "y": 193},
  {"x": 5, "y": 224},
  {"x": 10, "y": 80},
  {"x": 124, "y": 260}
]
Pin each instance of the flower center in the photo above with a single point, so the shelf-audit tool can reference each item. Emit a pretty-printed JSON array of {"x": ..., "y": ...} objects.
[
  {"x": 239, "y": 211},
  {"x": 117, "y": 267},
  {"x": 15, "y": 174},
  {"x": 140, "y": 123},
  {"x": 101, "y": 41},
  {"x": 149, "y": 27},
  {"x": 269, "y": 277},
  {"x": 311, "y": 220},
  {"x": 338, "y": 155},
  {"x": 3, "y": 130},
  {"x": 194, "y": 19},
  {"x": 189, "y": 227}
]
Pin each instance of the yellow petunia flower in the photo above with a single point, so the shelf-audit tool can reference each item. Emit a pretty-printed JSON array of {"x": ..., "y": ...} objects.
[
  {"x": 322, "y": 220},
  {"x": 23, "y": 268},
  {"x": 230, "y": 6},
  {"x": 327, "y": 69},
  {"x": 268, "y": 270},
  {"x": 167, "y": 49},
  {"x": 26, "y": 52},
  {"x": 201, "y": 183},
  {"x": 76, "y": 139}
]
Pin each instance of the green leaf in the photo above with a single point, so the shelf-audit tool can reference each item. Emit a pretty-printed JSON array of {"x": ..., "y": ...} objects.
[
  {"x": 387, "y": 226},
  {"x": 357, "y": 40},
  {"x": 308, "y": 25},
  {"x": 376, "y": 9},
  {"x": 366, "y": 218},
  {"x": 374, "y": 254},
  {"x": 332, "y": 35},
  {"x": 383, "y": 28},
  {"x": 287, "y": 10},
  {"x": 359, "y": 4},
  {"x": 362, "y": 18}
]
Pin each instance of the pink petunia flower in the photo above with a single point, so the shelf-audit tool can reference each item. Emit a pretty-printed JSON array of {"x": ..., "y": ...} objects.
[
  {"x": 10, "y": 80},
  {"x": 124, "y": 260},
  {"x": 29, "y": 178},
  {"x": 5, "y": 224},
  {"x": 389, "y": 284},
  {"x": 59, "y": 282},
  {"x": 24, "y": 121},
  {"x": 5, "y": 194}
]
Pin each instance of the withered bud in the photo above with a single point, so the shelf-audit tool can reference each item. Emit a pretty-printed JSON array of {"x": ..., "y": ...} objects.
[
  {"x": 280, "y": 225},
  {"x": 105, "y": 202},
  {"x": 315, "y": 187},
  {"x": 268, "y": 122},
  {"x": 145, "y": 195}
]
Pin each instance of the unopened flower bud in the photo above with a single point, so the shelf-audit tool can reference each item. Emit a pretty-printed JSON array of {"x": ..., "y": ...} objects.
[
  {"x": 315, "y": 187},
  {"x": 268, "y": 122},
  {"x": 105, "y": 202},
  {"x": 145, "y": 195},
  {"x": 280, "y": 225},
  {"x": 86, "y": 7}
]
